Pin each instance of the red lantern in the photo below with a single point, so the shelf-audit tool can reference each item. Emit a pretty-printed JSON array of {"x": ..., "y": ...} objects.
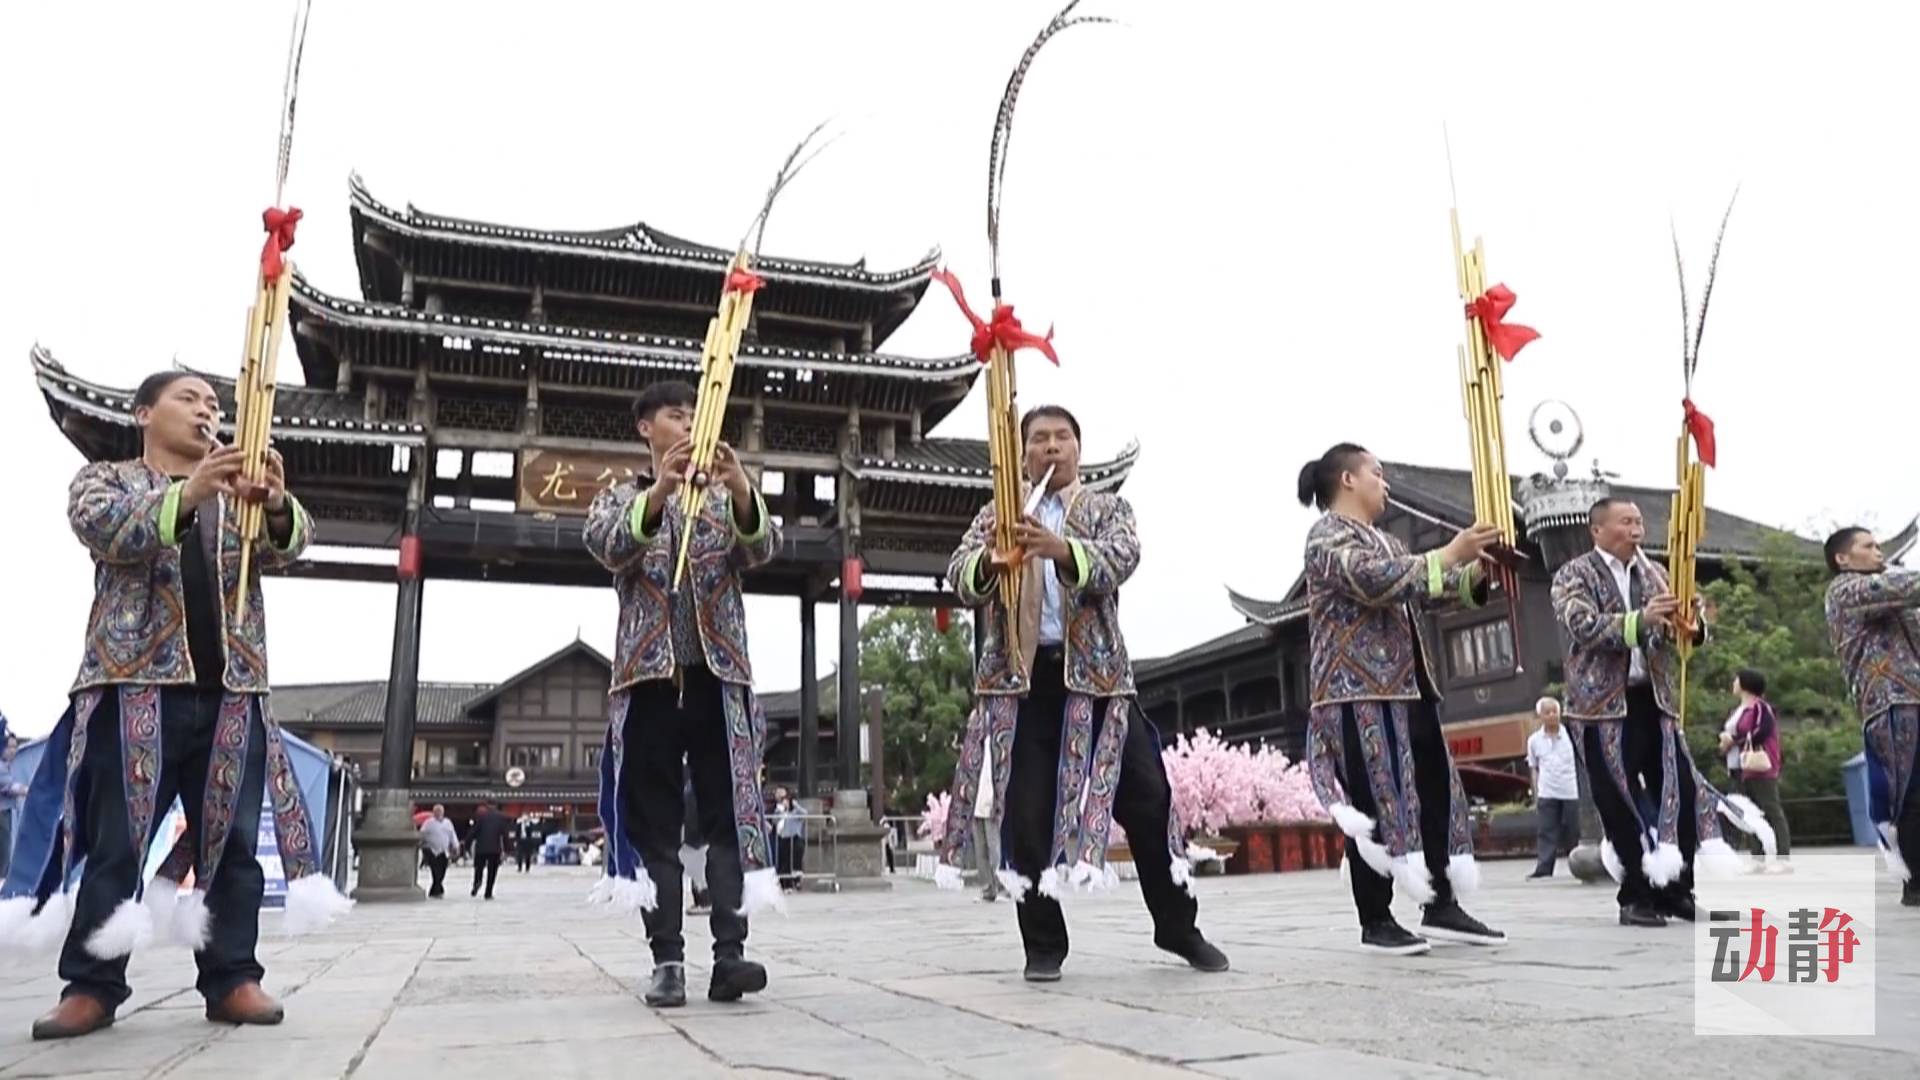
[
  {"x": 850, "y": 578},
  {"x": 409, "y": 558},
  {"x": 942, "y": 619}
]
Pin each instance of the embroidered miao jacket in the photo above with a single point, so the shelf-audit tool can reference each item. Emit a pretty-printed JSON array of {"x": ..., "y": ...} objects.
[
  {"x": 1602, "y": 629},
  {"x": 1874, "y": 622},
  {"x": 1099, "y": 528},
  {"x": 127, "y": 514},
  {"x": 643, "y": 567},
  {"x": 1364, "y": 597}
]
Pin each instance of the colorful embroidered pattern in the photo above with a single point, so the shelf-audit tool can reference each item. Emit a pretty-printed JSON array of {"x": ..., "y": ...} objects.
[
  {"x": 1076, "y": 757},
  {"x": 993, "y": 717},
  {"x": 1669, "y": 823},
  {"x": 1873, "y": 623},
  {"x": 140, "y": 758},
  {"x": 746, "y": 738},
  {"x": 1891, "y": 740},
  {"x": 1385, "y": 732},
  {"x": 1364, "y": 595},
  {"x": 292, "y": 821},
  {"x": 1592, "y": 615},
  {"x": 226, "y": 768},
  {"x": 1103, "y": 781},
  {"x": 84, "y": 703},
  {"x": 1097, "y": 662}
]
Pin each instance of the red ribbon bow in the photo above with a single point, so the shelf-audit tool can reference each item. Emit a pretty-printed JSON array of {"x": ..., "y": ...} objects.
[
  {"x": 280, "y": 224},
  {"x": 1004, "y": 330},
  {"x": 1700, "y": 426},
  {"x": 1490, "y": 309},
  {"x": 741, "y": 279}
]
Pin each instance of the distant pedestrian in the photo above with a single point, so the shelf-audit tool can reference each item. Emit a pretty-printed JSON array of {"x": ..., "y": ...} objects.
[
  {"x": 790, "y": 843},
  {"x": 438, "y": 844},
  {"x": 488, "y": 841},
  {"x": 1757, "y": 737},
  {"x": 1556, "y": 786},
  {"x": 526, "y": 843}
]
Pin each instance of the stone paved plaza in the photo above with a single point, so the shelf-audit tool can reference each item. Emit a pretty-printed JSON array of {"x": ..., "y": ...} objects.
[{"x": 916, "y": 983}]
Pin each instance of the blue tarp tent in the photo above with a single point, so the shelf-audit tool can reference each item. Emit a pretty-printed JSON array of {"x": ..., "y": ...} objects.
[{"x": 312, "y": 768}]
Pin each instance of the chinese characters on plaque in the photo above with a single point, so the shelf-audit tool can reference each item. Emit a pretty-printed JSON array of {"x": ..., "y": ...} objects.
[{"x": 567, "y": 481}]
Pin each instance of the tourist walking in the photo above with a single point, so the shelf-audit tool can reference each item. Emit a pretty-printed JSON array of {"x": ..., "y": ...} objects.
[
  {"x": 790, "y": 834},
  {"x": 11, "y": 789},
  {"x": 526, "y": 843},
  {"x": 487, "y": 841},
  {"x": 1556, "y": 787},
  {"x": 165, "y": 707},
  {"x": 438, "y": 843},
  {"x": 682, "y": 697},
  {"x": 1059, "y": 790},
  {"x": 1757, "y": 737},
  {"x": 1873, "y": 619},
  {"x": 1376, "y": 705}
]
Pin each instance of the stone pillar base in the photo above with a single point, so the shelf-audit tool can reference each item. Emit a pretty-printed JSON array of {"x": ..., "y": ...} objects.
[
  {"x": 859, "y": 863},
  {"x": 389, "y": 849},
  {"x": 1586, "y": 865}
]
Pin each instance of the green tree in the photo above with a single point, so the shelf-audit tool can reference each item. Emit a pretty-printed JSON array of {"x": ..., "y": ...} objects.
[{"x": 927, "y": 679}]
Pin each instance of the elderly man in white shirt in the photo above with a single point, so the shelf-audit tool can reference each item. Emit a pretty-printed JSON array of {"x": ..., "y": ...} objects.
[
  {"x": 440, "y": 842},
  {"x": 1556, "y": 786}
]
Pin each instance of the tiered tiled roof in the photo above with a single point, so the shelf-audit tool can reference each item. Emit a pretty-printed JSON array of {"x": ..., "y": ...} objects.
[
  {"x": 637, "y": 242},
  {"x": 966, "y": 463},
  {"x": 364, "y": 704}
]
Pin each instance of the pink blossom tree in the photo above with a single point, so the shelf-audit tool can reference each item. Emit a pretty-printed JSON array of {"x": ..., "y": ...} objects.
[{"x": 933, "y": 821}]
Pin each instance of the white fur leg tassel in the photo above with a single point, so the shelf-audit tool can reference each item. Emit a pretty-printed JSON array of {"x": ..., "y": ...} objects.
[
  {"x": 1717, "y": 859},
  {"x": 1750, "y": 818},
  {"x": 1610, "y": 859},
  {"x": 163, "y": 898},
  {"x": 761, "y": 892},
  {"x": 1663, "y": 864},
  {"x": 191, "y": 924},
  {"x": 1182, "y": 870},
  {"x": 1050, "y": 884},
  {"x": 1890, "y": 851},
  {"x": 1414, "y": 879},
  {"x": 1018, "y": 885},
  {"x": 15, "y": 913},
  {"x": 129, "y": 927},
  {"x": 631, "y": 894},
  {"x": 1359, "y": 827},
  {"x": 312, "y": 904},
  {"x": 602, "y": 891},
  {"x": 1088, "y": 878},
  {"x": 948, "y": 877},
  {"x": 1463, "y": 874}
]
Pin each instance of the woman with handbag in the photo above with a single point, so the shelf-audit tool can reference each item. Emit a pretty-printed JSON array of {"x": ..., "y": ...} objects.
[{"x": 1758, "y": 736}]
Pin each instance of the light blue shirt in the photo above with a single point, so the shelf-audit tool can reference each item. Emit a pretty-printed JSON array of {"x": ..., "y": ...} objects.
[{"x": 1052, "y": 513}]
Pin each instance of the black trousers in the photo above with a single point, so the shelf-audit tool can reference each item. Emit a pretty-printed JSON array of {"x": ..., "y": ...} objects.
[
  {"x": 437, "y": 866},
  {"x": 1559, "y": 830},
  {"x": 1432, "y": 781},
  {"x": 487, "y": 866},
  {"x": 1641, "y": 737},
  {"x": 115, "y": 862},
  {"x": 1141, "y": 805},
  {"x": 668, "y": 725},
  {"x": 523, "y": 853}
]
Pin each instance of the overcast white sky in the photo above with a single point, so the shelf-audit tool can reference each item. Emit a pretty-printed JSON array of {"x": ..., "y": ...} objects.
[{"x": 1235, "y": 214}]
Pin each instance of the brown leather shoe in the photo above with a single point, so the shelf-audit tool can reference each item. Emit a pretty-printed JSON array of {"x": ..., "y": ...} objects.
[
  {"x": 246, "y": 1004},
  {"x": 76, "y": 1015}
]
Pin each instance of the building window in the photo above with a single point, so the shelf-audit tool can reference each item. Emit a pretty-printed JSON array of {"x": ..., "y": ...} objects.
[
  {"x": 536, "y": 757},
  {"x": 593, "y": 757},
  {"x": 456, "y": 758},
  {"x": 1485, "y": 649}
]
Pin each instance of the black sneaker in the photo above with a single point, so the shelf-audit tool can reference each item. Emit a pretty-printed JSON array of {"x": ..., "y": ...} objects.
[
  {"x": 1043, "y": 969},
  {"x": 1641, "y": 915},
  {"x": 1389, "y": 938},
  {"x": 1197, "y": 951},
  {"x": 1450, "y": 922},
  {"x": 1680, "y": 907},
  {"x": 734, "y": 979},
  {"x": 1538, "y": 874},
  {"x": 1910, "y": 893},
  {"x": 669, "y": 987}
]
